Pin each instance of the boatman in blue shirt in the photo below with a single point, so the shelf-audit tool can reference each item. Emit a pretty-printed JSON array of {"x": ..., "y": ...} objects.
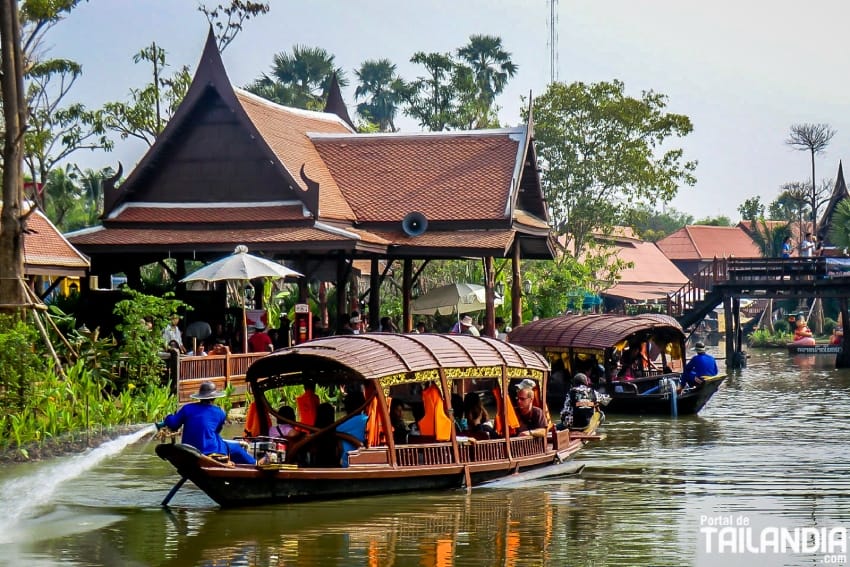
[
  {"x": 202, "y": 423},
  {"x": 702, "y": 364}
]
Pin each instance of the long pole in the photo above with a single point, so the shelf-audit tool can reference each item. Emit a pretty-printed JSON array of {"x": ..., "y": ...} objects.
[{"x": 244, "y": 320}]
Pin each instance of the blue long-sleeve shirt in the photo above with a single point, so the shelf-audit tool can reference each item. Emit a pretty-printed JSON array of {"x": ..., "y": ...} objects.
[
  {"x": 700, "y": 365},
  {"x": 202, "y": 424}
]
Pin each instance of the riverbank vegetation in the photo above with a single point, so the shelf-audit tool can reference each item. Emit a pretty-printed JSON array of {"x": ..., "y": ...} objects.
[{"x": 70, "y": 384}]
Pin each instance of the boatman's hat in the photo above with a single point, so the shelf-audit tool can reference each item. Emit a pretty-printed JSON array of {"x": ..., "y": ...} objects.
[{"x": 207, "y": 391}]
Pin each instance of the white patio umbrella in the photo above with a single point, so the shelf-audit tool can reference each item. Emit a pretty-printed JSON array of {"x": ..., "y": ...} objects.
[
  {"x": 241, "y": 267},
  {"x": 453, "y": 298}
]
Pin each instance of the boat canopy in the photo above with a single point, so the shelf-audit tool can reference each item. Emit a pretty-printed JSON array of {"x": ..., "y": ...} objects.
[
  {"x": 594, "y": 331},
  {"x": 395, "y": 358}
]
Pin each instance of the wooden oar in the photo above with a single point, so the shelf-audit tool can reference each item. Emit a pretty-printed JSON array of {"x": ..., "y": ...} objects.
[{"x": 173, "y": 491}]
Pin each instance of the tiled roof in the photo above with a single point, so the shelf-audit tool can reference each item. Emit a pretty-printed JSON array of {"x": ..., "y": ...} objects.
[
  {"x": 218, "y": 213},
  {"x": 47, "y": 252},
  {"x": 285, "y": 130},
  {"x": 641, "y": 291},
  {"x": 698, "y": 242},
  {"x": 446, "y": 176},
  {"x": 176, "y": 238},
  {"x": 650, "y": 265}
]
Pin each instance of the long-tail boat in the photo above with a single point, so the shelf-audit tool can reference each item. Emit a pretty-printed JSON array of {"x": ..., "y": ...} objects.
[
  {"x": 636, "y": 360},
  {"x": 424, "y": 370}
]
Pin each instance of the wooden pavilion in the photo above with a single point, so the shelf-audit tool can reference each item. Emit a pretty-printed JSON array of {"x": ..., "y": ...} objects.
[{"x": 232, "y": 168}]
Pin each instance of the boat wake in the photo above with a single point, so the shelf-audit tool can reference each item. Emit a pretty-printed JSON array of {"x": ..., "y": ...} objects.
[{"x": 20, "y": 497}]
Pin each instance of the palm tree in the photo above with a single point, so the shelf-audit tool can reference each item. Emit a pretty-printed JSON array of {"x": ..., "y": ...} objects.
[
  {"x": 769, "y": 240},
  {"x": 301, "y": 79},
  {"x": 383, "y": 89},
  {"x": 491, "y": 66},
  {"x": 839, "y": 230}
]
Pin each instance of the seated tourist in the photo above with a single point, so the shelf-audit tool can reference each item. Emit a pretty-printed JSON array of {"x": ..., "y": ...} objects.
[
  {"x": 837, "y": 337},
  {"x": 532, "y": 420},
  {"x": 397, "y": 422},
  {"x": 283, "y": 429},
  {"x": 478, "y": 422},
  {"x": 354, "y": 425}
]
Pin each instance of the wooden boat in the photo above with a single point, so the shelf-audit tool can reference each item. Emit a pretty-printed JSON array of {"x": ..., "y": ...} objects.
[
  {"x": 386, "y": 366},
  {"x": 820, "y": 348},
  {"x": 637, "y": 360}
]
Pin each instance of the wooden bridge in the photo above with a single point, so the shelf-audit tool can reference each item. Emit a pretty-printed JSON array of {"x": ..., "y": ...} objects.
[{"x": 726, "y": 281}]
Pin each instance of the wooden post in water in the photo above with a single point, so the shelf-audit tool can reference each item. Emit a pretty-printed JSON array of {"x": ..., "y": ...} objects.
[
  {"x": 729, "y": 331},
  {"x": 842, "y": 359}
]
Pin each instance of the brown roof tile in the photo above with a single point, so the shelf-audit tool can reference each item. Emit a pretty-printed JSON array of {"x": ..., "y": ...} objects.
[
  {"x": 47, "y": 251},
  {"x": 483, "y": 239},
  {"x": 446, "y": 176},
  {"x": 699, "y": 242},
  {"x": 285, "y": 131}
]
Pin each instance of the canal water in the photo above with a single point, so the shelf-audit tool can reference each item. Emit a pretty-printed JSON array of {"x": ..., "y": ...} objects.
[{"x": 768, "y": 455}]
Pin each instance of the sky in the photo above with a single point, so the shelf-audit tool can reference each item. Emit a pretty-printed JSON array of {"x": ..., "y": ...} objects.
[{"x": 743, "y": 72}]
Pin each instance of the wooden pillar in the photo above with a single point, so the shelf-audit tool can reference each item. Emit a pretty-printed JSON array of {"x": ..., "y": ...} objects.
[
  {"x": 407, "y": 283},
  {"x": 516, "y": 288},
  {"x": 842, "y": 359},
  {"x": 740, "y": 358},
  {"x": 729, "y": 332},
  {"x": 341, "y": 287},
  {"x": 374, "y": 295},
  {"x": 490, "y": 298}
]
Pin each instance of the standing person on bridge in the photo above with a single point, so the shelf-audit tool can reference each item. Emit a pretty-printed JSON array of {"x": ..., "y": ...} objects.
[
  {"x": 787, "y": 247},
  {"x": 807, "y": 246}
]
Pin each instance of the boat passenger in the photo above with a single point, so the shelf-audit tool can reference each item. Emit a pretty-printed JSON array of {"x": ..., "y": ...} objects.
[
  {"x": 202, "y": 423},
  {"x": 702, "y": 364},
  {"x": 458, "y": 413},
  {"x": 355, "y": 425},
  {"x": 476, "y": 417},
  {"x": 802, "y": 333},
  {"x": 837, "y": 337},
  {"x": 324, "y": 453},
  {"x": 579, "y": 404},
  {"x": 532, "y": 420},
  {"x": 397, "y": 421},
  {"x": 308, "y": 404},
  {"x": 284, "y": 429}
]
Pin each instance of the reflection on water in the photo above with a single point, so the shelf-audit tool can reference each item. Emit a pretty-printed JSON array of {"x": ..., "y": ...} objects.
[{"x": 771, "y": 444}]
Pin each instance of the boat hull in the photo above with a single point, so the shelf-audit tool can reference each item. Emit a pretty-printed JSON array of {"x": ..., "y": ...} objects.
[
  {"x": 687, "y": 403},
  {"x": 244, "y": 485}
]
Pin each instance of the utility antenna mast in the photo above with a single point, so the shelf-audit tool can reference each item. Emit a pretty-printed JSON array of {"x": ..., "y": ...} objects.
[{"x": 553, "y": 40}]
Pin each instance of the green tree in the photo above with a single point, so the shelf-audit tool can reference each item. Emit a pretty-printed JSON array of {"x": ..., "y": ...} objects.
[
  {"x": 812, "y": 138},
  {"x": 491, "y": 68},
  {"x": 74, "y": 198},
  {"x": 55, "y": 132},
  {"x": 719, "y": 220},
  {"x": 602, "y": 156},
  {"x": 301, "y": 79},
  {"x": 383, "y": 89},
  {"x": 227, "y": 20},
  {"x": 791, "y": 204},
  {"x": 751, "y": 209},
  {"x": 769, "y": 238},
  {"x": 652, "y": 225},
  {"x": 839, "y": 230},
  {"x": 151, "y": 106},
  {"x": 430, "y": 99},
  {"x": 21, "y": 32}
]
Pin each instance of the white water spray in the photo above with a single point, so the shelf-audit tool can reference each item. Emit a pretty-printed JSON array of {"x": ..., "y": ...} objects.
[{"x": 22, "y": 495}]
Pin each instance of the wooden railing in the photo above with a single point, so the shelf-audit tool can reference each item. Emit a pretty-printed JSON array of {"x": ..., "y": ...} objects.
[
  {"x": 224, "y": 370},
  {"x": 696, "y": 289}
]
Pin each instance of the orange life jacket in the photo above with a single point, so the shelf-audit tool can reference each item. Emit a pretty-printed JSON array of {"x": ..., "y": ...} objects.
[
  {"x": 435, "y": 423},
  {"x": 513, "y": 421}
]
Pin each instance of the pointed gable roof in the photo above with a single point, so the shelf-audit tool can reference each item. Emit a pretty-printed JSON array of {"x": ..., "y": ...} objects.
[
  {"x": 839, "y": 193},
  {"x": 212, "y": 141},
  {"x": 47, "y": 252},
  {"x": 336, "y": 105}
]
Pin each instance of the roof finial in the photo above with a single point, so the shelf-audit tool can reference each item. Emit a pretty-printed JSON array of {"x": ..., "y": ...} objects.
[{"x": 336, "y": 105}]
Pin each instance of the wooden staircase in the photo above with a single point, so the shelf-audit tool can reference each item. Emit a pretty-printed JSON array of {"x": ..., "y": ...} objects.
[{"x": 693, "y": 301}]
